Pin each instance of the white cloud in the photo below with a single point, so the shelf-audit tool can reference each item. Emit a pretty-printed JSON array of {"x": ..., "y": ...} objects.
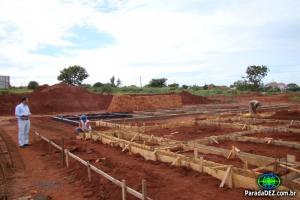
[{"x": 152, "y": 38}]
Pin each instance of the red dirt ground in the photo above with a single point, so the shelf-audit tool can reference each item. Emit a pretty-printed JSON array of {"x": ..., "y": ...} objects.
[
  {"x": 289, "y": 136},
  {"x": 56, "y": 99},
  {"x": 44, "y": 174},
  {"x": 286, "y": 115},
  {"x": 184, "y": 133},
  {"x": 130, "y": 103},
  {"x": 260, "y": 149}
]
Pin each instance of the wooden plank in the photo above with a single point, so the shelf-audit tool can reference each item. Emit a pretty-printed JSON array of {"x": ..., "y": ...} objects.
[
  {"x": 290, "y": 168},
  {"x": 130, "y": 142}
]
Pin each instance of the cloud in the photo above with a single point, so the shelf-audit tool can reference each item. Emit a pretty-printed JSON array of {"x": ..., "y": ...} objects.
[{"x": 188, "y": 41}]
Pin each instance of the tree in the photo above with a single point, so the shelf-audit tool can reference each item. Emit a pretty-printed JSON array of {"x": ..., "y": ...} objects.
[
  {"x": 185, "y": 86},
  {"x": 73, "y": 75},
  {"x": 160, "y": 82},
  {"x": 112, "y": 81},
  {"x": 255, "y": 74},
  {"x": 205, "y": 87},
  {"x": 293, "y": 87},
  {"x": 98, "y": 84},
  {"x": 174, "y": 85},
  {"x": 119, "y": 82},
  {"x": 33, "y": 85},
  {"x": 242, "y": 85}
]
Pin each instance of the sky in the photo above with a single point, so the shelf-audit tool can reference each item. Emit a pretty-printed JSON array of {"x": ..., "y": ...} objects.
[{"x": 186, "y": 41}]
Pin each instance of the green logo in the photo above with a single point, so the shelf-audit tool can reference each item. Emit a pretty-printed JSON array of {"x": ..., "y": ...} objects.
[{"x": 268, "y": 181}]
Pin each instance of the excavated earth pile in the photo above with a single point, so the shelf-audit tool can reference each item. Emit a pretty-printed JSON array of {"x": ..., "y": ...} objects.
[
  {"x": 130, "y": 103},
  {"x": 190, "y": 99},
  {"x": 57, "y": 98}
]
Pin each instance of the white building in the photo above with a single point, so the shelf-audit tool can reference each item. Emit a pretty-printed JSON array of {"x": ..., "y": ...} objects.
[{"x": 4, "y": 82}]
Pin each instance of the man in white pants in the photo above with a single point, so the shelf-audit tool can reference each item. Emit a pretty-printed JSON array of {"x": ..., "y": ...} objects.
[{"x": 22, "y": 113}]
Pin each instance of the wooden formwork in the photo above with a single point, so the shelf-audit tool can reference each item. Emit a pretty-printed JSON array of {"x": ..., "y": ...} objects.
[
  {"x": 229, "y": 175},
  {"x": 133, "y": 139}
]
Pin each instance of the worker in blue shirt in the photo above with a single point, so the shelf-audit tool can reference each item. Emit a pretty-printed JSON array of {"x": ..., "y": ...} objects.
[{"x": 22, "y": 113}]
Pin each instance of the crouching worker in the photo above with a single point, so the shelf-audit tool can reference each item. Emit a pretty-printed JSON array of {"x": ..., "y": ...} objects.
[
  {"x": 84, "y": 126},
  {"x": 253, "y": 105}
]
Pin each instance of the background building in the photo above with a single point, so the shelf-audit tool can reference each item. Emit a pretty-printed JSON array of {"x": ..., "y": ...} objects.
[{"x": 4, "y": 82}]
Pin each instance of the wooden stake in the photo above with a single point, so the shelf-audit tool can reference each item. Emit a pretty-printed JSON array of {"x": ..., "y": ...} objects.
[
  {"x": 144, "y": 190},
  {"x": 195, "y": 153},
  {"x": 67, "y": 158},
  {"x": 246, "y": 164},
  {"x": 123, "y": 189},
  {"x": 201, "y": 164},
  {"x": 226, "y": 175},
  {"x": 49, "y": 147},
  {"x": 176, "y": 161},
  {"x": 63, "y": 152},
  {"x": 89, "y": 171},
  {"x": 126, "y": 146}
]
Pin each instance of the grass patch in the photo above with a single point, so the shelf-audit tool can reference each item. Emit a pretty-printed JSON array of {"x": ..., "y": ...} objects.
[
  {"x": 295, "y": 98},
  {"x": 15, "y": 90}
]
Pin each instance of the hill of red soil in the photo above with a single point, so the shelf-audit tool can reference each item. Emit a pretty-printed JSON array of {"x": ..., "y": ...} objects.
[
  {"x": 190, "y": 99},
  {"x": 129, "y": 103},
  {"x": 55, "y": 99}
]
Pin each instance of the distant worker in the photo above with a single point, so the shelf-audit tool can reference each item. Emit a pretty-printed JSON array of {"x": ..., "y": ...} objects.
[
  {"x": 253, "y": 105},
  {"x": 84, "y": 125},
  {"x": 22, "y": 113}
]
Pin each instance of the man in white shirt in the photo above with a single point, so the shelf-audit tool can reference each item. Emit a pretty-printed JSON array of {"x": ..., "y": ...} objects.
[{"x": 22, "y": 113}]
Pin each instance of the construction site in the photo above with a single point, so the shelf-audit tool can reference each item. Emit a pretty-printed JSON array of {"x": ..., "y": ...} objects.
[{"x": 160, "y": 147}]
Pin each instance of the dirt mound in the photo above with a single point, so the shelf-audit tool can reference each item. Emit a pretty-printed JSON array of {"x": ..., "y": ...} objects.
[
  {"x": 286, "y": 114},
  {"x": 41, "y": 87},
  {"x": 129, "y": 103},
  {"x": 190, "y": 99},
  {"x": 55, "y": 99}
]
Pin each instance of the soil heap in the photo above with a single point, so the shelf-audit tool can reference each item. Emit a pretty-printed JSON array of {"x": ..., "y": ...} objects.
[
  {"x": 56, "y": 99},
  {"x": 190, "y": 99},
  {"x": 130, "y": 103}
]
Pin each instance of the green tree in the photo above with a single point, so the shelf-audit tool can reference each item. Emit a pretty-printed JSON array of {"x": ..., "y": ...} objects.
[
  {"x": 293, "y": 87},
  {"x": 174, "y": 85},
  {"x": 160, "y": 82},
  {"x": 185, "y": 86},
  {"x": 255, "y": 74},
  {"x": 98, "y": 84},
  {"x": 33, "y": 85},
  {"x": 73, "y": 75},
  {"x": 112, "y": 81}
]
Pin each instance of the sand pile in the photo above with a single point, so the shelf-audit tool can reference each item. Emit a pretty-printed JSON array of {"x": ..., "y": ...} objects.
[
  {"x": 129, "y": 103},
  {"x": 190, "y": 99},
  {"x": 55, "y": 99}
]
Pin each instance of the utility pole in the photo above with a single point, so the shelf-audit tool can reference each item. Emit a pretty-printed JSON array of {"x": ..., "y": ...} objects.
[{"x": 141, "y": 81}]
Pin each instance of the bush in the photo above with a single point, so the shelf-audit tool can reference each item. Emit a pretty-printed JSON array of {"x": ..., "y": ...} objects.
[
  {"x": 173, "y": 85},
  {"x": 185, "y": 86},
  {"x": 98, "y": 84},
  {"x": 293, "y": 87},
  {"x": 195, "y": 87},
  {"x": 160, "y": 82},
  {"x": 106, "y": 88},
  {"x": 33, "y": 85}
]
